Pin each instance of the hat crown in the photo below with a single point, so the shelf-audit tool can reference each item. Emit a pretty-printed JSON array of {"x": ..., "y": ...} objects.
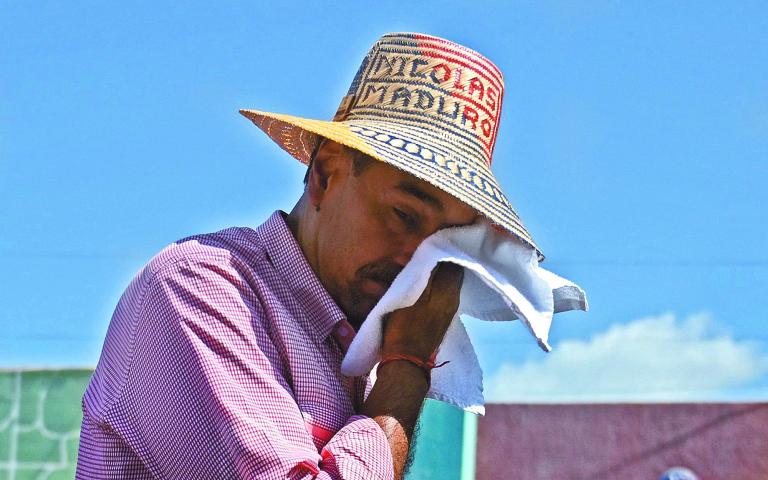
[{"x": 432, "y": 84}]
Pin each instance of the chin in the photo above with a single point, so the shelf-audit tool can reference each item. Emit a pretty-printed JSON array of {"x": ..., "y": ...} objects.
[{"x": 359, "y": 308}]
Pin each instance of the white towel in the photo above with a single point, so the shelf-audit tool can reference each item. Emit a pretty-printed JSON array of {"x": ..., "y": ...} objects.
[{"x": 502, "y": 281}]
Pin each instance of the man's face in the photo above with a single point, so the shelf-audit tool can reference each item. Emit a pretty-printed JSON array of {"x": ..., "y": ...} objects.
[{"x": 369, "y": 225}]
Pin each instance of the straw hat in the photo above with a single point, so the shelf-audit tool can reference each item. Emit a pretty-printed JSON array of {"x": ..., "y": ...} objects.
[{"x": 426, "y": 105}]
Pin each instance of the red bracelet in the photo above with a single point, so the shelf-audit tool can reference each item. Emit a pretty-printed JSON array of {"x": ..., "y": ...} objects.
[{"x": 425, "y": 366}]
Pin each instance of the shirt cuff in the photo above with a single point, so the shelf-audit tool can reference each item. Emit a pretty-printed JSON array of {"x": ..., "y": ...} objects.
[{"x": 359, "y": 450}]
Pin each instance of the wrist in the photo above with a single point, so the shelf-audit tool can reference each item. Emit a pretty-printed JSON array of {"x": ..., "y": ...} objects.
[
  {"x": 424, "y": 366},
  {"x": 402, "y": 370},
  {"x": 423, "y": 353}
]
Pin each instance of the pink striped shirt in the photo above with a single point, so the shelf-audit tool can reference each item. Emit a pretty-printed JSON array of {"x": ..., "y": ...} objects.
[{"x": 222, "y": 361}]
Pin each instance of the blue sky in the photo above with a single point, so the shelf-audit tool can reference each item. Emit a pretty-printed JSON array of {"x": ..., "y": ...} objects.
[{"x": 633, "y": 143}]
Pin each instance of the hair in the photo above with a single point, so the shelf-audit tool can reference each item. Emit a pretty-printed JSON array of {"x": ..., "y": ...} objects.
[{"x": 360, "y": 161}]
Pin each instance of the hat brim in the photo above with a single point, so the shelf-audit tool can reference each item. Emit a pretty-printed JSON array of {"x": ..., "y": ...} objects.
[{"x": 411, "y": 149}]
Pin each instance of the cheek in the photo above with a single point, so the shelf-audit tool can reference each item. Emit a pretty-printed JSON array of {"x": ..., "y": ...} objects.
[
  {"x": 360, "y": 235},
  {"x": 367, "y": 239},
  {"x": 368, "y": 243}
]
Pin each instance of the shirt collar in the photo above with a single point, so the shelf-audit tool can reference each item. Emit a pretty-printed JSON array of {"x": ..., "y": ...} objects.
[{"x": 288, "y": 259}]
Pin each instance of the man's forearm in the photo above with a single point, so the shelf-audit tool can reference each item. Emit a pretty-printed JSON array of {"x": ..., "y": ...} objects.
[{"x": 394, "y": 403}]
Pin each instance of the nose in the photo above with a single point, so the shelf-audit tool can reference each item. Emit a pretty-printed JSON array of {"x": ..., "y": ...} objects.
[{"x": 407, "y": 246}]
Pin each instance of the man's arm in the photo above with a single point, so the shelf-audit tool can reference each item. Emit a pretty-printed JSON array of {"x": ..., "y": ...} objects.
[
  {"x": 398, "y": 394},
  {"x": 205, "y": 394}
]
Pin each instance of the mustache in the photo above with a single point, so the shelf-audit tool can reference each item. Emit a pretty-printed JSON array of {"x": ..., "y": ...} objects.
[{"x": 381, "y": 272}]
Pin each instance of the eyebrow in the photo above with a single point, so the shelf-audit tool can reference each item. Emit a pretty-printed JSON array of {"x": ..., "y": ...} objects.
[{"x": 417, "y": 192}]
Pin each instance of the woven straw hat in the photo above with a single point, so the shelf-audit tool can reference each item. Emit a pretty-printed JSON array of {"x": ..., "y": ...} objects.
[{"x": 426, "y": 105}]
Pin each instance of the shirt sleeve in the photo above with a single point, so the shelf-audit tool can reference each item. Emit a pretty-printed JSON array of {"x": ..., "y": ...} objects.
[{"x": 206, "y": 394}]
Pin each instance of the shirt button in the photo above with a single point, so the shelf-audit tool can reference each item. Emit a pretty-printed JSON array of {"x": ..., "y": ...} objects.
[{"x": 343, "y": 331}]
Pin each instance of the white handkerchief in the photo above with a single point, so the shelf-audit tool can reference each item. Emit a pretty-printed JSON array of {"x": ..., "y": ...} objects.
[{"x": 502, "y": 281}]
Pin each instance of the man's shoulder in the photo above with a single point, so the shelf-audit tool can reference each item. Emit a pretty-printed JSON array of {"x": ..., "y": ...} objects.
[
  {"x": 241, "y": 241},
  {"x": 233, "y": 247}
]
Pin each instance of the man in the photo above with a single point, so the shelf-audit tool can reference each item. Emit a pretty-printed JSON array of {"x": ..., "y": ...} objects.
[{"x": 223, "y": 356}]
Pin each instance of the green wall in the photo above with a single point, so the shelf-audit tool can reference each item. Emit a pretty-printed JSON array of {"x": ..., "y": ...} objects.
[
  {"x": 40, "y": 422},
  {"x": 445, "y": 444}
]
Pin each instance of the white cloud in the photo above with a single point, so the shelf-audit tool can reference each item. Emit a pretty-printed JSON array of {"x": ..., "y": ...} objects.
[{"x": 650, "y": 359}]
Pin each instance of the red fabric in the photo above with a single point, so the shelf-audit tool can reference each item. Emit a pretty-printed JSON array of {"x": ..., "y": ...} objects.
[{"x": 222, "y": 361}]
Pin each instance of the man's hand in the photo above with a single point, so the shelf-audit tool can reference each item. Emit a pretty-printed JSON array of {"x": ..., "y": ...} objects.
[
  {"x": 396, "y": 398},
  {"x": 418, "y": 330}
]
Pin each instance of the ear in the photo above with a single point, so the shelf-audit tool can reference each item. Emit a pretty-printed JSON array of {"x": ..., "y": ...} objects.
[{"x": 327, "y": 167}]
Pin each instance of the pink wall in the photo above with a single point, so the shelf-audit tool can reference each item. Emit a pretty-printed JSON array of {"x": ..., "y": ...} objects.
[{"x": 623, "y": 441}]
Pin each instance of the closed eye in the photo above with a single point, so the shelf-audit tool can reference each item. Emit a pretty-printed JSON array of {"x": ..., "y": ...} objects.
[{"x": 410, "y": 222}]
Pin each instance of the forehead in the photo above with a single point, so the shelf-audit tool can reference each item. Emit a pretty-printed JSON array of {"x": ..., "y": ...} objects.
[{"x": 403, "y": 184}]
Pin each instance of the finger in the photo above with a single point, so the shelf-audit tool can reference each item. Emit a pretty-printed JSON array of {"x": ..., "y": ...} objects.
[
  {"x": 447, "y": 277},
  {"x": 446, "y": 292},
  {"x": 445, "y": 280}
]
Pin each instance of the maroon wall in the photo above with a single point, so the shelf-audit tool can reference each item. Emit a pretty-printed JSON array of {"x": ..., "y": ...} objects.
[{"x": 626, "y": 441}]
